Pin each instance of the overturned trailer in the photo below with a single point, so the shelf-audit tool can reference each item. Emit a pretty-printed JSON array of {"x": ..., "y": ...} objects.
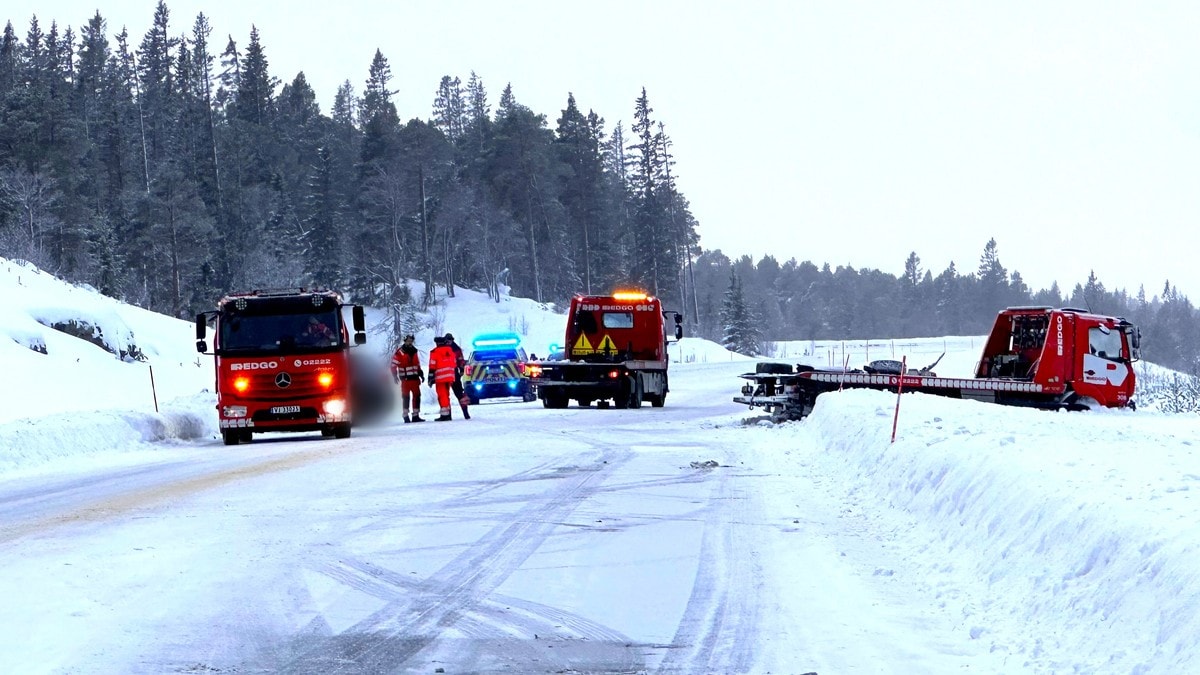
[{"x": 1040, "y": 357}]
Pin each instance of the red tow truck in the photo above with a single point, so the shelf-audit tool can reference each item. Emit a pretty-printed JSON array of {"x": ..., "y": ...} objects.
[
  {"x": 1040, "y": 357},
  {"x": 282, "y": 362},
  {"x": 616, "y": 349}
]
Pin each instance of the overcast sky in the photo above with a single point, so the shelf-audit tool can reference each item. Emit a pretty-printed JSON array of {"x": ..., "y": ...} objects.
[{"x": 848, "y": 132}]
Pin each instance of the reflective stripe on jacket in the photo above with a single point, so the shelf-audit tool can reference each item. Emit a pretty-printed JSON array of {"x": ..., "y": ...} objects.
[{"x": 406, "y": 366}]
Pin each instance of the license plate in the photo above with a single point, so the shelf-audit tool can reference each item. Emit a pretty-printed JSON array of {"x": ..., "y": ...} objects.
[{"x": 285, "y": 409}]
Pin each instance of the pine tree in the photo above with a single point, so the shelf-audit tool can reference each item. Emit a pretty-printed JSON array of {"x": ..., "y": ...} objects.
[
  {"x": 524, "y": 174},
  {"x": 254, "y": 97},
  {"x": 655, "y": 251},
  {"x": 586, "y": 194},
  {"x": 993, "y": 291},
  {"x": 740, "y": 331},
  {"x": 479, "y": 115},
  {"x": 449, "y": 109},
  {"x": 378, "y": 116}
]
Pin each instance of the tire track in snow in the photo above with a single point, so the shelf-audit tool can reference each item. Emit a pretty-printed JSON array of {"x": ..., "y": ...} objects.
[
  {"x": 720, "y": 624},
  {"x": 451, "y": 598}
]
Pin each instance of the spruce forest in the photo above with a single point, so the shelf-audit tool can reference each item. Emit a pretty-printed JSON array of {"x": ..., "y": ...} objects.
[{"x": 166, "y": 169}]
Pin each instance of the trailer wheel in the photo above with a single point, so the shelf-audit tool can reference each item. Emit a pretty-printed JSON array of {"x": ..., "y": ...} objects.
[
  {"x": 772, "y": 368},
  {"x": 656, "y": 400},
  {"x": 555, "y": 400}
]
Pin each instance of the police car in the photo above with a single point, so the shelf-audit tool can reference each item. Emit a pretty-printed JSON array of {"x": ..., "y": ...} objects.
[{"x": 497, "y": 368}]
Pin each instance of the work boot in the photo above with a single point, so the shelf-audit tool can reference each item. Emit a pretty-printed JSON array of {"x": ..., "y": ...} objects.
[
  {"x": 417, "y": 418},
  {"x": 442, "y": 418},
  {"x": 406, "y": 420},
  {"x": 466, "y": 415}
]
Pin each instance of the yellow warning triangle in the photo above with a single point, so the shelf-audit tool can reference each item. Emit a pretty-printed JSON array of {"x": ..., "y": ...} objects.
[
  {"x": 606, "y": 346},
  {"x": 582, "y": 346}
]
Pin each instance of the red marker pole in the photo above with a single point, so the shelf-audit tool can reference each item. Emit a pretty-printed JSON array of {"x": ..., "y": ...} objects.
[{"x": 899, "y": 390}]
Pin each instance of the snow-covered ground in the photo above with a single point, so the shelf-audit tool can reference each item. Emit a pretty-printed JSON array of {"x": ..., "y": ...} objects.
[{"x": 984, "y": 539}]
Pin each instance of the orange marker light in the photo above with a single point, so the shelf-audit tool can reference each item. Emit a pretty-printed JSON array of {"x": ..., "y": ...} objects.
[
  {"x": 325, "y": 379},
  {"x": 241, "y": 384}
]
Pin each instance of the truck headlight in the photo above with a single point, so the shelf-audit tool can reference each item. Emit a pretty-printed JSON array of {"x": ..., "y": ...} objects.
[
  {"x": 233, "y": 411},
  {"x": 335, "y": 406}
]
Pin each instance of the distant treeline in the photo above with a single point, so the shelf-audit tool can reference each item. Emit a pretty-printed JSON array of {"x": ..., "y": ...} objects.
[{"x": 171, "y": 171}]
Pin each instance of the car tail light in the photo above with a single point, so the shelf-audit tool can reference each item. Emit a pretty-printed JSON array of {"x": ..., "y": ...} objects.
[{"x": 521, "y": 368}]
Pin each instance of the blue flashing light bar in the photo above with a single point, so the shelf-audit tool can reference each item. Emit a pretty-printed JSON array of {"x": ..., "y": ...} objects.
[{"x": 497, "y": 340}]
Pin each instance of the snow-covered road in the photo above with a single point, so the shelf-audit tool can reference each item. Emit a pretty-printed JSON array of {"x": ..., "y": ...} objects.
[
  {"x": 524, "y": 540},
  {"x": 694, "y": 538}
]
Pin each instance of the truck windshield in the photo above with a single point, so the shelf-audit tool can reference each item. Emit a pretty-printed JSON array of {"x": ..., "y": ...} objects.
[
  {"x": 1105, "y": 343},
  {"x": 618, "y": 319},
  {"x": 249, "y": 332}
]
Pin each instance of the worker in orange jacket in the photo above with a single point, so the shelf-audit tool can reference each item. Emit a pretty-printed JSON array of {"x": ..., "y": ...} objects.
[
  {"x": 406, "y": 371},
  {"x": 443, "y": 365},
  {"x": 457, "y": 385}
]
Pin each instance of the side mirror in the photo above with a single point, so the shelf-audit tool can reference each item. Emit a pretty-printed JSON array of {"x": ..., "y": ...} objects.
[
  {"x": 360, "y": 324},
  {"x": 201, "y": 333},
  {"x": 678, "y": 332}
]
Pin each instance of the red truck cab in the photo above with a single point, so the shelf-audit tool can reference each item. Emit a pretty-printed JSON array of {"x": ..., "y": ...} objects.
[
  {"x": 615, "y": 350},
  {"x": 1065, "y": 351},
  {"x": 282, "y": 362}
]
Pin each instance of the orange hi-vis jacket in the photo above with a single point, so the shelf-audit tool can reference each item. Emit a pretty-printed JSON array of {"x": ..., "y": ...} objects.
[
  {"x": 442, "y": 364},
  {"x": 406, "y": 365}
]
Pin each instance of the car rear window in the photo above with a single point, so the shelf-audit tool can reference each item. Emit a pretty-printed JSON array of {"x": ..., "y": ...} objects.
[{"x": 494, "y": 355}]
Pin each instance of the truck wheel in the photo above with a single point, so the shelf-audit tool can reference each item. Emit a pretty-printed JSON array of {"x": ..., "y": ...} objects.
[
  {"x": 635, "y": 391},
  {"x": 772, "y": 368},
  {"x": 656, "y": 400},
  {"x": 231, "y": 436},
  {"x": 556, "y": 401},
  {"x": 341, "y": 431}
]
